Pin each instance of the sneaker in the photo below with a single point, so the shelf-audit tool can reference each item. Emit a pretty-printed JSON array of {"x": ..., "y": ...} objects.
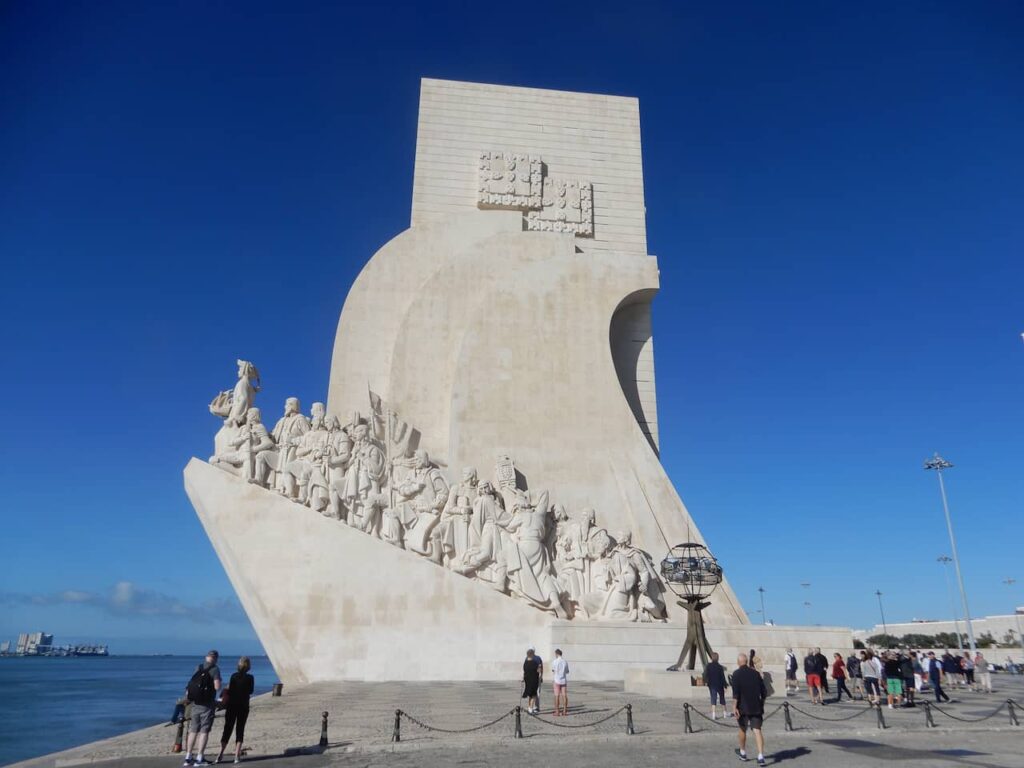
[
  {"x": 741, "y": 756},
  {"x": 187, "y": 763},
  {"x": 760, "y": 760},
  {"x": 238, "y": 760},
  {"x": 200, "y": 761}
]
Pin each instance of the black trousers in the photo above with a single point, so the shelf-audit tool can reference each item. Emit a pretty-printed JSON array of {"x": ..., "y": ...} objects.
[
  {"x": 234, "y": 719},
  {"x": 940, "y": 695},
  {"x": 841, "y": 688}
]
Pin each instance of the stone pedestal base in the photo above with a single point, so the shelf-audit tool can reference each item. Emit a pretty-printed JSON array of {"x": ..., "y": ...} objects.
[{"x": 664, "y": 685}]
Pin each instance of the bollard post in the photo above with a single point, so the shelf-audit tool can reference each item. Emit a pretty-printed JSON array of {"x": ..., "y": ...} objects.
[
  {"x": 1013, "y": 715},
  {"x": 276, "y": 689},
  {"x": 788, "y": 718},
  {"x": 929, "y": 721},
  {"x": 881, "y": 719},
  {"x": 180, "y": 735},
  {"x": 629, "y": 720},
  {"x": 323, "y": 730},
  {"x": 519, "y": 722},
  {"x": 396, "y": 735},
  {"x": 688, "y": 726}
]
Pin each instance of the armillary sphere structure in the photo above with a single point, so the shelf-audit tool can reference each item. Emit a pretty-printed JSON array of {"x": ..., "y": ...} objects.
[{"x": 693, "y": 573}]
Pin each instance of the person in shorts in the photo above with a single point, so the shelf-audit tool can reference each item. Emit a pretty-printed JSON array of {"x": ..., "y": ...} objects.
[
  {"x": 872, "y": 671},
  {"x": 791, "y": 668},
  {"x": 893, "y": 678},
  {"x": 748, "y": 693},
  {"x": 813, "y": 678},
  {"x": 204, "y": 706},
  {"x": 560, "y": 681},
  {"x": 714, "y": 678}
]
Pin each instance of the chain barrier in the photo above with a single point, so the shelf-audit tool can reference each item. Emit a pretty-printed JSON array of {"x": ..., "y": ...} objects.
[
  {"x": 828, "y": 719},
  {"x": 399, "y": 714},
  {"x": 951, "y": 716},
  {"x": 628, "y": 708},
  {"x": 725, "y": 723},
  {"x": 1010, "y": 703}
]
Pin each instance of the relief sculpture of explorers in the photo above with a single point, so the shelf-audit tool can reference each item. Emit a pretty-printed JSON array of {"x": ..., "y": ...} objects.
[{"x": 370, "y": 475}]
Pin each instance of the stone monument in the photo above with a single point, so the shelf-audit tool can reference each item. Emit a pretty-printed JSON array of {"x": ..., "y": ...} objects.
[{"x": 484, "y": 475}]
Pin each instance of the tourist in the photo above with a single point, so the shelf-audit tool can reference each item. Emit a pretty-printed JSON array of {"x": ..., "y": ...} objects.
[
  {"x": 935, "y": 671},
  {"x": 821, "y": 662},
  {"x": 240, "y": 688},
  {"x": 813, "y": 678},
  {"x": 967, "y": 664},
  {"x": 540, "y": 676},
  {"x": 855, "y": 675},
  {"x": 748, "y": 693},
  {"x": 202, "y": 691},
  {"x": 982, "y": 673},
  {"x": 907, "y": 674},
  {"x": 791, "y": 668},
  {"x": 951, "y": 668},
  {"x": 893, "y": 678},
  {"x": 714, "y": 679},
  {"x": 560, "y": 679},
  {"x": 918, "y": 671},
  {"x": 531, "y": 681},
  {"x": 839, "y": 675},
  {"x": 872, "y": 671}
]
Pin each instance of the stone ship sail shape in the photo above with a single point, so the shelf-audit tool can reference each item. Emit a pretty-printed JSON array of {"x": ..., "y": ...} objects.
[{"x": 511, "y": 319}]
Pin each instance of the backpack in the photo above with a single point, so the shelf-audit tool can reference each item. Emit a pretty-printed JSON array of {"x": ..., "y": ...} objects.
[{"x": 200, "y": 688}]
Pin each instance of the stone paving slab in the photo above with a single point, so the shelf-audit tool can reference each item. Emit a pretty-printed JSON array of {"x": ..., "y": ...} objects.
[{"x": 286, "y": 730}]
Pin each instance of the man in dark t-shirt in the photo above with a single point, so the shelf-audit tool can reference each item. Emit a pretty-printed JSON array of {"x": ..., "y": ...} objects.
[{"x": 748, "y": 693}]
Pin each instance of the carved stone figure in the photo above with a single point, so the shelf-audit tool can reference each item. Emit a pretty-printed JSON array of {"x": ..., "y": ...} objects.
[
  {"x": 233, "y": 405},
  {"x": 289, "y": 428},
  {"x": 251, "y": 438},
  {"x": 529, "y": 565},
  {"x": 490, "y": 539},
  {"x": 456, "y": 517},
  {"x": 423, "y": 492},
  {"x": 650, "y": 597},
  {"x": 364, "y": 471},
  {"x": 306, "y": 476}
]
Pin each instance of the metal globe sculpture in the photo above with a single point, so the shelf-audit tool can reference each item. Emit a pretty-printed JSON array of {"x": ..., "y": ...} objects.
[{"x": 693, "y": 573}]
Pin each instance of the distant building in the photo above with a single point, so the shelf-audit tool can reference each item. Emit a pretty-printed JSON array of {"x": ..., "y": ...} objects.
[
  {"x": 22, "y": 644},
  {"x": 5, "y": 648},
  {"x": 1005, "y": 629}
]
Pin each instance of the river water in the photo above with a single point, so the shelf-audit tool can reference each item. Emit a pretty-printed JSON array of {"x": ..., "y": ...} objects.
[{"x": 49, "y": 704}]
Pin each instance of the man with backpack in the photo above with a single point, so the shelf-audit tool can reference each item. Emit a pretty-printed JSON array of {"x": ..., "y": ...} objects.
[{"x": 202, "y": 692}]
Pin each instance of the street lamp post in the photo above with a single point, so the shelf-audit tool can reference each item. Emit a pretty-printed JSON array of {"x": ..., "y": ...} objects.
[
  {"x": 946, "y": 560},
  {"x": 1016, "y": 616},
  {"x": 881, "y": 610},
  {"x": 938, "y": 464},
  {"x": 764, "y": 616}
]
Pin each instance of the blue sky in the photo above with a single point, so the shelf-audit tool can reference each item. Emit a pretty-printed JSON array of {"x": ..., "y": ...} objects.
[{"x": 834, "y": 194}]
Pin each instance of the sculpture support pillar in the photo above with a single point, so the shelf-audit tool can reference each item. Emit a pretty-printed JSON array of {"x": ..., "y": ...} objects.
[{"x": 696, "y": 639}]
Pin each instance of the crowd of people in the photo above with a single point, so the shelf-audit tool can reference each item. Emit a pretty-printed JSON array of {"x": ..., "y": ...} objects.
[{"x": 895, "y": 676}]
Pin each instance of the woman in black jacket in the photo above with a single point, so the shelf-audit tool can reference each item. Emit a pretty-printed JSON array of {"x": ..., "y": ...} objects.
[{"x": 240, "y": 688}]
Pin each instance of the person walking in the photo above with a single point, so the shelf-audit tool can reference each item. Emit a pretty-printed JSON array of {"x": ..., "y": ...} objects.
[
  {"x": 540, "y": 672},
  {"x": 821, "y": 662},
  {"x": 839, "y": 675},
  {"x": 981, "y": 672},
  {"x": 791, "y": 668},
  {"x": 748, "y": 693},
  {"x": 855, "y": 675},
  {"x": 813, "y": 678},
  {"x": 935, "y": 678},
  {"x": 236, "y": 713},
  {"x": 951, "y": 669},
  {"x": 560, "y": 681},
  {"x": 531, "y": 681},
  {"x": 872, "y": 671},
  {"x": 202, "y": 691},
  {"x": 714, "y": 679},
  {"x": 918, "y": 671}
]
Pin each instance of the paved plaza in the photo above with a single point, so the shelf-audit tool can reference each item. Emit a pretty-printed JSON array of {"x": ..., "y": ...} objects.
[{"x": 286, "y": 731}]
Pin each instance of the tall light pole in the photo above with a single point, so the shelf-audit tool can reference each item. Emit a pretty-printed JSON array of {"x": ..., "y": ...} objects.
[
  {"x": 938, "y": 464},
  {"x": 881, "y": 610},
  {"x": 764, "y": 616},
  {"x": 1016, "y": 616},
  {"x": 946, "y": 560}
]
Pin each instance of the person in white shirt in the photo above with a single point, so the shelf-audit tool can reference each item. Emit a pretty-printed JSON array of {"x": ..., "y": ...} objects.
[{"x": 560, "y": 678}]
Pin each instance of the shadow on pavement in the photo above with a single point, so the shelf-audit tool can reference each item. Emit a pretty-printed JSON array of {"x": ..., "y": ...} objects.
[{"x": 790, "y": 754}]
